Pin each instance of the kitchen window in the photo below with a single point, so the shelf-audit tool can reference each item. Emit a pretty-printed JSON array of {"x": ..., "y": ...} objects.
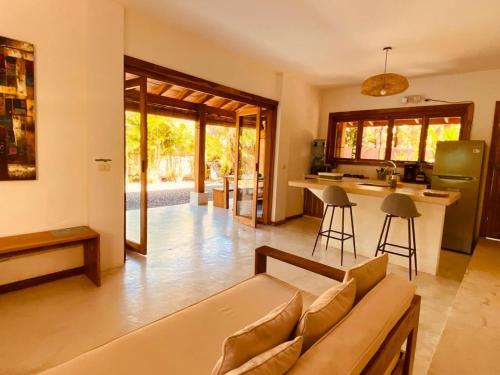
[
  {"x": 347, "y": 134},
  {"x": 406, "y": 134},
  {"x": 399, "y": 134},
  {"x": 374, "y": 139}
]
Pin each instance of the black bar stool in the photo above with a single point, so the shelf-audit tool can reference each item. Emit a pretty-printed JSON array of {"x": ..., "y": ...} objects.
[
  {"x": 335, "y": 196},
  {"x": 402, "y": 206}
]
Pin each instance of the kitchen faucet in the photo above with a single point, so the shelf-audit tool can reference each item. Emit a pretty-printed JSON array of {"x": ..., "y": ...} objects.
[{"x": 394, "y": 166}]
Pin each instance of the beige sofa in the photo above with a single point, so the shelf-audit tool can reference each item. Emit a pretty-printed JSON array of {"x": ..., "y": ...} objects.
[{"x": 368, "y": 340}]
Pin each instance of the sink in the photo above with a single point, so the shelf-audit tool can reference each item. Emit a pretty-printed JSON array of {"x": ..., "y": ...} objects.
[{"x": 373, "y": 184}]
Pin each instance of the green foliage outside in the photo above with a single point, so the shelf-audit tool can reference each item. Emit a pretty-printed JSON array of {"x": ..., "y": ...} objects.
[
  {"x": 441, "y": 132},
  {"x": 171, "y": 148},
  {"x": 405, "y": 141}
]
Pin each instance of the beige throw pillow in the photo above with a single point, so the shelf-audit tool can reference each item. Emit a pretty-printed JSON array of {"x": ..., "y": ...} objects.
[
  {"x": 367, "y": 274},
  {"x": 266, "y": 333},
  {"x": 325, "y": 312},
  {"x": 275, "y": 361}
]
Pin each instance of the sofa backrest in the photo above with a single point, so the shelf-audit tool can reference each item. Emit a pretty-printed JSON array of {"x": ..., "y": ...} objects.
[{"x": 349, "y": 346}]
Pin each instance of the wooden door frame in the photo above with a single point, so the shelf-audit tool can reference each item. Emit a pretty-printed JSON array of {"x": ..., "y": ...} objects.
[
  {"x": 268, "y": 165},
  {"x": 142, "y": 246},
  {"x": 240, "y": 113},
  {"x": 166, "y": 107},
  {"x": 495, "y": 134}
]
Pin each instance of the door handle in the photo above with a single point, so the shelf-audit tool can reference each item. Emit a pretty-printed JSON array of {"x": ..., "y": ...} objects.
[{"x": 455, "y": 178}]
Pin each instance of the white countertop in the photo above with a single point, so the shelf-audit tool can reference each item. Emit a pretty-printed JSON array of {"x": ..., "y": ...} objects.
[{"x": 356, "y": 186}]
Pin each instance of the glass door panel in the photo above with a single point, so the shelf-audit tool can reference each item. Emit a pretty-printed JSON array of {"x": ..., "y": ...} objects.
[
  {"x": 247, "y": 155},
  {"x": 136, "y": 161},
  {"x": 262, "y": 177}
]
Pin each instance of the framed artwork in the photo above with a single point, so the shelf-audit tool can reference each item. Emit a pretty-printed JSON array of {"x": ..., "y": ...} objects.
[{"x": 17, "y": 110}]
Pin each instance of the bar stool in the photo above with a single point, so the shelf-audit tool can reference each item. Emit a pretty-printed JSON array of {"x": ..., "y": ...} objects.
[
  {"x": 402, "y": 206},
  {"x": 335, "y": 196}
]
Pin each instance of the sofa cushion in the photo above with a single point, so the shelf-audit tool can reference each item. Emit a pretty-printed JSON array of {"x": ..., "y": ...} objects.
[
  {"x": 275, "y": 361},
  {"x": 325, "y": 312},
  {"x": 187, "y": 341},
  {"x": 349, "y": 346},
  {"x": 367, "y": 274},
  {"x": 260, "y": 336}
]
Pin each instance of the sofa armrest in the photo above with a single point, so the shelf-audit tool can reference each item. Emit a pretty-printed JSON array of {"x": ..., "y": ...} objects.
[
  {"x": 263, "y": 252},
  {"x": 405, "y": 330}
]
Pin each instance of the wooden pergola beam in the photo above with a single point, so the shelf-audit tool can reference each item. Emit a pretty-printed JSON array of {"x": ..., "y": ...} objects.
[
  {"x": 136, "y": 66},
  {"x": 207, "y": 98},
  {"x": 163, "y": 88},
  {"x": 185, "y": 94},
  {"x": 133, "y": 83},
  {"x": 133, "y": 96},
  {"x": 224, "y": 103}
]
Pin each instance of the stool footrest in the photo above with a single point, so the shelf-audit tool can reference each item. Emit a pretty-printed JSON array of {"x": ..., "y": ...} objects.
[
  {"x": 326, "y": 233},
  {"x": 409, "y": 255}
]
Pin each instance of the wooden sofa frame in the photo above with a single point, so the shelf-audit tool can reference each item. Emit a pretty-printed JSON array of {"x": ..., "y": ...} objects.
[{"x": 406, "y": 328}]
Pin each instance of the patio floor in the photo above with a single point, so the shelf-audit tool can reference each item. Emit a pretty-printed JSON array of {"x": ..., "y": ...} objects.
[{"x": 165, "y": 194}]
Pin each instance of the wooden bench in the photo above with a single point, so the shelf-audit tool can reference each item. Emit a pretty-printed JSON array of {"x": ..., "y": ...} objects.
[{"x": 38, "y": 242}]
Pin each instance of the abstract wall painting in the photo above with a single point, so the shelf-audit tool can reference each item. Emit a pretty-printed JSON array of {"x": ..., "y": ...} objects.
[{"x": 17, "y": 110}]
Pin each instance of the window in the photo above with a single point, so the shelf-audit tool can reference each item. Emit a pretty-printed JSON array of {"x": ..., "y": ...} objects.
[
  {"x": 441, "y": 129},
  {"x": 374, "y": 139},
  {"x": 405, "y": 143},
  {"x": 347, "y": 136},
  {"x": 400, "y": 134}
]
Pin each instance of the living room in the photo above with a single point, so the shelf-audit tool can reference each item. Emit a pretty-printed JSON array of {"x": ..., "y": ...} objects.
[{"x": 311, "y": 59}]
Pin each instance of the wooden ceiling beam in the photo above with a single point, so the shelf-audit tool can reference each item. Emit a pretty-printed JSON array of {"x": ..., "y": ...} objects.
[
  {"x": 157, "y": 100},
  {"x": 207, "y": 98},
  {"x": 185, "y": 94},
  {"x": 163, "y": 88},
  {"x": 239, "y": 106},
  {"x": 163, "y": 100},
  {"x": 138, "y": 67},
  {"x": 212, "y": 118},
  {"x": 224, "y": 103},
  {"x": 133, "y": 83}
]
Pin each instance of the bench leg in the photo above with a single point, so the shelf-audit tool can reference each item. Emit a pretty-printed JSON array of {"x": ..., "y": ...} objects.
[{"x": 92, "y": 260}]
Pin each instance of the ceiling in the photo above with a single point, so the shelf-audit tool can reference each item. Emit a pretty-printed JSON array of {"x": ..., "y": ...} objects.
[{"x": 339, "y": 42}]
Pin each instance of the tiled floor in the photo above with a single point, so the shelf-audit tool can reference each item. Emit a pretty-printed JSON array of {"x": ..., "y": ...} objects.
[
  {"x": 194, "y": 252},
  {"x": 470, "y": 343}
]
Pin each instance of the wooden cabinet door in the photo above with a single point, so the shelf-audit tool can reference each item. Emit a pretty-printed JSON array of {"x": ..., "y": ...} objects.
[{"x": 491, "y": 206}]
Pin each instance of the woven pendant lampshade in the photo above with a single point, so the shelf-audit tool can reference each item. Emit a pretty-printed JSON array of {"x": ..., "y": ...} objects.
[{"x": 385, "y": 84}]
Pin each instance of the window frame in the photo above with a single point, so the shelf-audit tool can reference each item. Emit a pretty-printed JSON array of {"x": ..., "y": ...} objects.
[{"x": 463, "y": 110}]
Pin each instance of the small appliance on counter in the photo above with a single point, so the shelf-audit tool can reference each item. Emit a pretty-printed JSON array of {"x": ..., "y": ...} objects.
[
  {"x": 413, "y": 173},
  {"x": 458, "y": 167},
  {"x": 410, "y": 172}
]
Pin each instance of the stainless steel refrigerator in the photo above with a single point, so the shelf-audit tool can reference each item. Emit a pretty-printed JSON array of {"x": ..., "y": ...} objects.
[{"x": 458, "y": 167}]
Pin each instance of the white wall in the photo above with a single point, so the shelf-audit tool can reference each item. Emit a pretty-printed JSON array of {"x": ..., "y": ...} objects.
[
  {"x": 298, "y": 126},
  {"x": 79, "y": 107},
  {"x": 104, "y": 30},
  {"x": 157, "y": 42},
  {"x": 483, "y": 88}
]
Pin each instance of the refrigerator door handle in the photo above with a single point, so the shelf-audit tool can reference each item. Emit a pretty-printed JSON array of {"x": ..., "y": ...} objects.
[{"x": 455, "y": 178}]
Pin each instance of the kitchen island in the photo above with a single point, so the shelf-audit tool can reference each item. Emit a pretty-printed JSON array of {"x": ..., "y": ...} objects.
[{"x": 368, "y": 218}]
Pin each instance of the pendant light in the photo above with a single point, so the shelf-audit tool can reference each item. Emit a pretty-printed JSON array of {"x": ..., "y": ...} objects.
[{"x": 385, "y": 84}]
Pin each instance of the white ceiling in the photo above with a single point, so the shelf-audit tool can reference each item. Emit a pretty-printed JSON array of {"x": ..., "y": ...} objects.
[{"x": 339, "y": 42}]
